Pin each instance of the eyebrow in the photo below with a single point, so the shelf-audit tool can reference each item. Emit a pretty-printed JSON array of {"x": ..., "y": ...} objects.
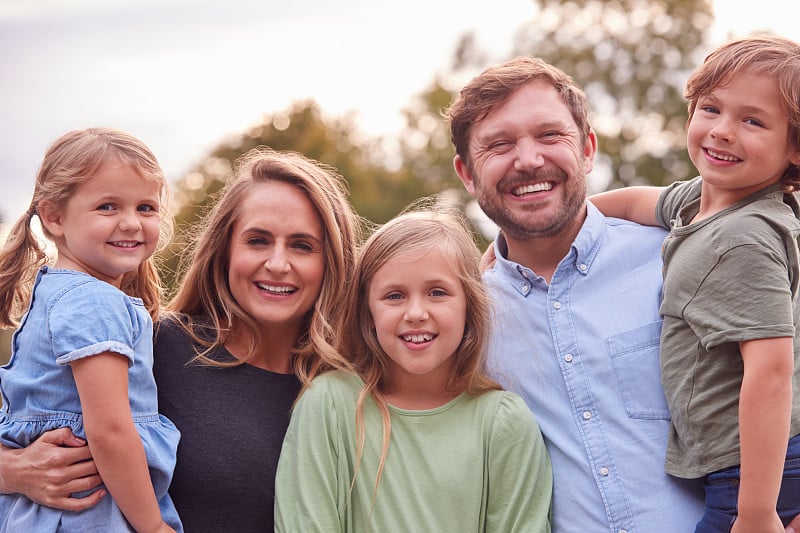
[{"x": 261, "y": 231}]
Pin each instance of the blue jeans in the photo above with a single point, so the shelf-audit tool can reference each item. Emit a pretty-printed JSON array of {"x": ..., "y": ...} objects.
[{"x": 722, "y": 494}]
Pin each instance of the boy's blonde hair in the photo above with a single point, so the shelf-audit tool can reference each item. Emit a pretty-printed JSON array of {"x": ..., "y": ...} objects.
[
  {"x": 769, "y": 55},
  {"x": 422, "y": 228},
  {"x": 72, "y": 159},
  {"x": 204, "y": 294}
]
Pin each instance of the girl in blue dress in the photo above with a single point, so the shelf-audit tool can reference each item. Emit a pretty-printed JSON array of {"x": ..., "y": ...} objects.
[{"x": 82, "y": 355}]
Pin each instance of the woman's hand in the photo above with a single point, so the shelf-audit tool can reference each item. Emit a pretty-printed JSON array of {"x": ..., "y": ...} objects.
[{"x": 54, "y": 466}]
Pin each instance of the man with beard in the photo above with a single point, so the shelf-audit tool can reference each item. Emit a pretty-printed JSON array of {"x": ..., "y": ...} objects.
[{"x": 576, "y": 326}]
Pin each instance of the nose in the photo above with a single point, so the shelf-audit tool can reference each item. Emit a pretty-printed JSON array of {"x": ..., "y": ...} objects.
[
  {"x": 529, "y": 155},
  {"x": 416, "y": 311},
  {"x": 277, "y": 261},
  {"x": 722, "y": 130},
  {"x": 130, "y": 222}
]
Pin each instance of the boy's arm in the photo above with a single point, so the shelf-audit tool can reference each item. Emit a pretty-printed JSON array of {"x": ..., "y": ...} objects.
[
  {"x": 116, "y": 446},
  {"x": 765, "y": 404},
  {"x": 637, "y": 204}
]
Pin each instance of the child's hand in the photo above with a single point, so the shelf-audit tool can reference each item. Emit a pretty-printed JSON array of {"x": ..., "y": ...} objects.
[
  {"x": 164, "y": 528},
  {"x": 762, "y": 524}
]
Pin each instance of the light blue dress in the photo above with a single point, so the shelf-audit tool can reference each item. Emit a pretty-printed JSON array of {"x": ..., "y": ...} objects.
[{"x": 73, "y": 315}]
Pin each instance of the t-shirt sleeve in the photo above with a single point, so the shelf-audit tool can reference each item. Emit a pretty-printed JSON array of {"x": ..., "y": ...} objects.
[
  {"x": 520, "y": 475},
  {"x": 90, "y": 319},
  {"x": 307, "y": 495},
  {"x": 756, "y": 297},
  {"x": 673, "y": 198}
]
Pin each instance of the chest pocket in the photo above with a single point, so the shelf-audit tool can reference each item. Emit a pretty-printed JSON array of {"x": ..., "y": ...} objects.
[{"x": 635, "y": 359}]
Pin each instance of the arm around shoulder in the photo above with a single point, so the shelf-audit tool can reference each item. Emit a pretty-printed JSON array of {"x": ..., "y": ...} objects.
[
  {"x": 637, "y": 204},
  {"x": 520, "y": 475}
]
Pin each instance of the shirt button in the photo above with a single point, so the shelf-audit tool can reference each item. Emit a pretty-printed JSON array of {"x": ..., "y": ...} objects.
[
  {"x": 525, "y": 288},
  {"x": 582, "y": 267},
  {"x": 587, "y": 415},
  {"x": 604, "y": 471},
  {"x": 623, "y": 531},
  {"x": 557, "y": 305},
  {"x": 568, "y": 358}
]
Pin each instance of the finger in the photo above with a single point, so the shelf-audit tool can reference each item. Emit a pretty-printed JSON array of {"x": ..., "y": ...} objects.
[
  {"x": 75, "y": 472},
  {"x": 79, "y": 504},
  {"x": 62, "y": 437},
  {"x": 83, "y": 484},
  {"x": 68, "y": 456}
]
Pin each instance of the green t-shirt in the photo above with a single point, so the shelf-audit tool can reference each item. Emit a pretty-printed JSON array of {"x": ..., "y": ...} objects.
[
  {"x": 728, "y": 278},
  {"x": 472, "y": 465}
]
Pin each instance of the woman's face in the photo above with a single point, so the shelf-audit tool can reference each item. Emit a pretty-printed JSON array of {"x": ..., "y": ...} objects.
[{"x": 277, "y": 258}]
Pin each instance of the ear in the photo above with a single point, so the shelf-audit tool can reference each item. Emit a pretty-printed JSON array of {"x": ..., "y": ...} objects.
[
  {"x": 589, "y": 151},
  {"x": 794, "y": 157},
  {"x": 462, "y": 169},
  {"x": 51, "y": 218}
]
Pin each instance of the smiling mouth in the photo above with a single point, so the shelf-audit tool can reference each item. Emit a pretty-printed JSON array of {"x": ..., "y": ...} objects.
[
  {"x": 418, "y": 339},
  {"x": 532, "y": 188},
  {"x": 722, "y": 157},
  {"x": 276, "y": 289},
  {"x": 125, "y": 244}
]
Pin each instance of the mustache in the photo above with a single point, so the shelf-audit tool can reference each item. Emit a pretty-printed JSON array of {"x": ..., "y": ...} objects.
[{"x": 512, "y": 181}]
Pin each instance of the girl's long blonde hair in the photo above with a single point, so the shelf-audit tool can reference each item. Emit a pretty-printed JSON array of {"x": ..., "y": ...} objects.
[
  {"x": 204, "y": 295},
  {"x": 71, "y": 160},
  {"x": 423, "y": 227}
]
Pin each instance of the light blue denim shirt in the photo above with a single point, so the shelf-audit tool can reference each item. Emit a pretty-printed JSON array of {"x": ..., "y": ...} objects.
[{"x": 583, "y": 353}]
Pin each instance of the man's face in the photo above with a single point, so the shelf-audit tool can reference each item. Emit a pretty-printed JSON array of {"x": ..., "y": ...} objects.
[{"x": 528, "y": 164}]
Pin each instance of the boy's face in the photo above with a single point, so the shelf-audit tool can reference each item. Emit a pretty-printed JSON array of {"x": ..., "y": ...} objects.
[{"x": 738, "y": 137}]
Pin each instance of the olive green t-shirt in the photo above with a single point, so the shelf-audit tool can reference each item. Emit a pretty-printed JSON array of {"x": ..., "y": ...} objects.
[{"x": 728, "y": 278}]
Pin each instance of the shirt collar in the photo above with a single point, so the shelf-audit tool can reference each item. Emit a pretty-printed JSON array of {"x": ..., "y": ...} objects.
[{"x": 580, "y": 257}]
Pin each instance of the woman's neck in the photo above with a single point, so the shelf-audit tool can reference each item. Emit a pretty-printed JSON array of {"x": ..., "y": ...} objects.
[{"x": 272, "y": 352}]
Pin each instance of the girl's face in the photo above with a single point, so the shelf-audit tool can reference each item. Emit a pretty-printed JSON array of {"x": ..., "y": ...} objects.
[
  {"x": 277, "y": 259},
  {"x": 419, "y": 310},
  {"x": 738, "y": 137},
  {"x": 110, "y": 225}
]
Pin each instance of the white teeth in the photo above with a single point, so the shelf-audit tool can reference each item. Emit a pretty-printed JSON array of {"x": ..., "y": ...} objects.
[
  {"x": 536, "y": 187},
  {"x": 722, "y": 157},
  {"x": 125, "y": 244},
  {"x": 283, "y": 289},
  {"x": 418, "y": 338}
]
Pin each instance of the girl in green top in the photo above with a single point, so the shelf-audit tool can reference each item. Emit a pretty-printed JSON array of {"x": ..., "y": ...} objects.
[{"x": 413, "y": 435}]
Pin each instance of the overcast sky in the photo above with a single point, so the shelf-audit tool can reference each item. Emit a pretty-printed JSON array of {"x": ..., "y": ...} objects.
[{"x": 183, "y": 74}]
